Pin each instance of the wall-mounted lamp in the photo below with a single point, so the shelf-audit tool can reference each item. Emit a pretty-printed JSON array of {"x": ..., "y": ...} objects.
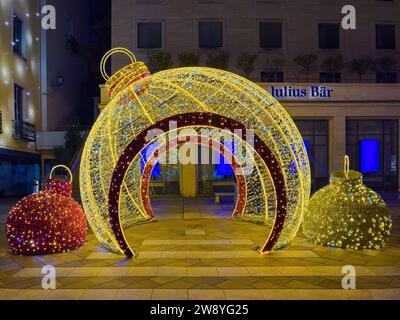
[{"x": 60, "y": 82}]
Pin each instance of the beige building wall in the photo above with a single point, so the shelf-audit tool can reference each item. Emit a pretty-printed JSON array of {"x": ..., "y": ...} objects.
[
  {"x": 300, "y": 18},
  {"x": 241, "y": 19},
  {"x": 23, "y": 71}
]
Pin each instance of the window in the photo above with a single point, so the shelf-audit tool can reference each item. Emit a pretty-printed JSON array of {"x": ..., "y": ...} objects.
[
  {"x": 316, "y": 139},
  {"x": 385, "y": 36},
  {"x": 373, "y": 149},
  {"x": 272, "y": 77},
  {"x": 70, "y": 27},
  {"x": 327, "y": 77},
  {"x": 18, "y": 103},
  {"x": 72, "y": 43},
  {"x": 271, "y": 35},
  {"x": 211, "y": 34},
  {"x": 18, "y": 36},
  {"x": 18, "y": 111},
  {"x": 388, "y": 77},
  {"x": 149, "y": 35},
  {"x": 328, "y": 35},
  {"x": 22, "y": 129}
]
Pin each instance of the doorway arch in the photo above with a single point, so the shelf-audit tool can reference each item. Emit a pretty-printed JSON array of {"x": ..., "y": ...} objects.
[
  {"x": 200, "y": 140},
  {"x": 185, "y": 120}
]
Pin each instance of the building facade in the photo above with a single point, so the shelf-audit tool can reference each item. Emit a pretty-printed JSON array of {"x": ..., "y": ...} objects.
[
  {"x": 340, "y": 86},
  {"x": 64, "y": 76},
  {"x": 20, "y": 94}
]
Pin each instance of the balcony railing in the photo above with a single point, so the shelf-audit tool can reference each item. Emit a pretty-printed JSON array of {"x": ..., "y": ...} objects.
[{"x": 24, "y": 130}]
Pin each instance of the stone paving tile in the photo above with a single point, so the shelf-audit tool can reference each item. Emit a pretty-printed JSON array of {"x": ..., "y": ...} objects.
[
  {"x": 243, "y": 295},
  {"x": 243, "y": 280},
  {"x": 172, "y": 271},
  {"x": 82, "y": 284},
  {"x": 85, "y": 272},
  {"x": 205, "y": 295},
  {"x": 114, "y": 284},
  {"x": 374, "y": 282},
  {"x": 317, "y": 294},
  {"x": 177, "y": 284},
  {"x": 293, "y": 254},
  {"x": 144, "y": 284},
  {"x": 233, "y": 284},
  {"x": 207, "y": 280},
  {"x": 142, "y": 272},
  {"x": 264, "y": 271},
  {"x": 24, "y": 284},
  {"x": 65, "y": 294},
  {"x": 113, "y": 272},
  {"x": 331, "y": 283},
  {"x": 234, "y": 271},
  {"x": 266, "y": 284},
  {"x": 149, "y": 255},
  {"x": 283, "y": 294},
  {"x": 138, "y": 294},
  {"x": 99, "y": 294},
  {"x": 355, "y": 295},
  {"x": 386, "y": 294},
  {"x": 195, "y": 232},
  {"x": 8, "y": 294},
  {"x": 102, "y": 255},
  {"x": 168, "y": 294},
  {"x": 203, "y": 272},
  {"x": 31, "y": 295}
]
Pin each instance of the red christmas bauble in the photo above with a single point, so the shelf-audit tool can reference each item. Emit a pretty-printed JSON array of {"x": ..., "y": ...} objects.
[{"x": 46, "y": 222}]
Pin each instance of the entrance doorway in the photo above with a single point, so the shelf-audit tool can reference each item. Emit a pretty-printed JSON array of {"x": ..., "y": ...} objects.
[
  {"x": 372, "y": 145},
  {"x": 206, "y": 189}
]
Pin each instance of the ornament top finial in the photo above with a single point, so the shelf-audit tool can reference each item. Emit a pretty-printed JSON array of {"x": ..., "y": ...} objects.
[
  {"x": 346, "y": 166},
  {"x": 108, "y": 55},
  {"x": 124, "y": 77}
]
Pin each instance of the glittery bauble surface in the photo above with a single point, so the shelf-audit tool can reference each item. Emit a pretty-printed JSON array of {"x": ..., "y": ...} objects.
[
  {"x": 347, "y": 214},
  {"x": 46, "y": 222}
]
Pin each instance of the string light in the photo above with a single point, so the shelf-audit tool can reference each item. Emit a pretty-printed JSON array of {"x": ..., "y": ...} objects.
[
  {"x": 110, "y": 174},
  {"x": 47, "y": 222},
  {"x": 347, "y": 214}
]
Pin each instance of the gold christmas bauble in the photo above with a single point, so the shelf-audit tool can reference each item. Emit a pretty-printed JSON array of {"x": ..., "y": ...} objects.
[{"x": 347, "y": 214}]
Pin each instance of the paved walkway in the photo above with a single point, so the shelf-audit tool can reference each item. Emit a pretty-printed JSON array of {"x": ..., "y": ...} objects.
[{"x": 196, "y": 252}]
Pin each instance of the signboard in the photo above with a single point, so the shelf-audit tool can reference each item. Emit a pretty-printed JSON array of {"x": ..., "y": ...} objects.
[{"x": 311, "y": 92}]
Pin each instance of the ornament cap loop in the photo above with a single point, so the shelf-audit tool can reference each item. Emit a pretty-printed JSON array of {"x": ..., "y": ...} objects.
[
  {"x": 346, "y": 166},
  {"x": 108, "y": 56},
  {"x": 65, "y": 168}
]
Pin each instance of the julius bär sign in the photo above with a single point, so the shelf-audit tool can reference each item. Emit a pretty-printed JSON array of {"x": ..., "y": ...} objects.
[{"x": 312, "y": 92}]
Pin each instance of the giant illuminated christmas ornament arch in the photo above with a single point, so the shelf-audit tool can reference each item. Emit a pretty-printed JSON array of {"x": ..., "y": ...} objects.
[{"x": 111, "y": 177}]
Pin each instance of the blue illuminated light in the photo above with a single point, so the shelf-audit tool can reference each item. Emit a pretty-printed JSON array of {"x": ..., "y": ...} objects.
[
  {"x": 307, "y": 145},
  {"x": 156, "y": 173},
  {"x": 224, "y": 169},
  {"x": 369, "y": 156}
]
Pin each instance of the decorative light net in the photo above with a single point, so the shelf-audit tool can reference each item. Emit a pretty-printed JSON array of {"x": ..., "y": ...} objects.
[{"x": 140, "y": 100}]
